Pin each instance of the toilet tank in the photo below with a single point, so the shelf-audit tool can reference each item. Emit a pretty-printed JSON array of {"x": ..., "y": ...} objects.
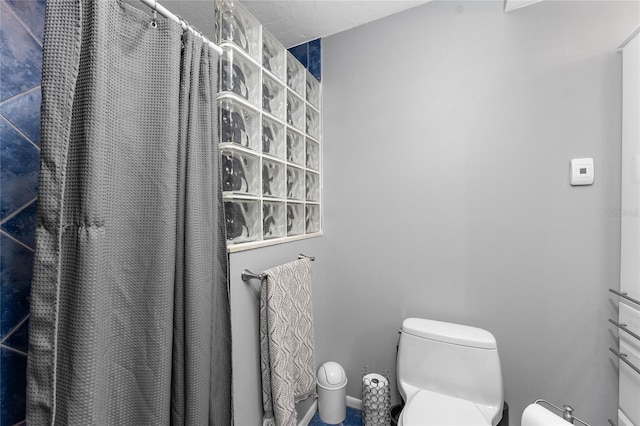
[{"x": 451, "y": 359}]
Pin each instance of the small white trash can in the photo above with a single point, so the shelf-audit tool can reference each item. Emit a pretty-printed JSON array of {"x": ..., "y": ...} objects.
[{"x": 332, "y": 393}]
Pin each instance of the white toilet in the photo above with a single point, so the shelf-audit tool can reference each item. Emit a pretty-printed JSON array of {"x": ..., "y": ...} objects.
[{"x": 448, "y": 374}]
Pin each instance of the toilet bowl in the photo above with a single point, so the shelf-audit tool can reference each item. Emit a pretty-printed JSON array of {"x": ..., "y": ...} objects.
[{"x": 448, "y": 374}]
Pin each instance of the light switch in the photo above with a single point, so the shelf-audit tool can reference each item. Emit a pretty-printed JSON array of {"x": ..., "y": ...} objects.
[{"x": 582, "y": 171}]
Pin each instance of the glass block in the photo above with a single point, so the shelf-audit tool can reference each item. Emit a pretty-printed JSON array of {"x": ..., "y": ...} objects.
[
  {"x": 239, "y": 124},
  {"x": 313, "y": 90},
  {"x": 240, "y": 172},
  {"x": 295, "y": 219},
  {"x": 243, "y": 220},
  {"x": 240, "y": 76},
  {"x": 312, "y": 222},
  {"x": 274, "y": 220},
  {"x": 295, "y": 183},
  {"x": 313, "y": 155},
  {"x": 296, "y": 75},
  {"x": 295, "y": 111},
  {"x": 273, "y": 139},
  {"x": 273, "y": 55},
  {"x": 273, "y": 179},
  {"x": 312, "y": 185},
  {"x": 312, "y": 122},
  {"x": 273, "y": 97},
  {"x": 238, "y": 26},
  {"x": 295, "y": 146}
]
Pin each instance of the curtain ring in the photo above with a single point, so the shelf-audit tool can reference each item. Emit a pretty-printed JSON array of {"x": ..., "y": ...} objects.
[
  {"x": 187, "y": 25},
  {"x": 154, "y": 12}
]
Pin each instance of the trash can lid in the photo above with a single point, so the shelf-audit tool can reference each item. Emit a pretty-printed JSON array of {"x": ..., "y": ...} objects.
[{"x": 331, "y": 375}]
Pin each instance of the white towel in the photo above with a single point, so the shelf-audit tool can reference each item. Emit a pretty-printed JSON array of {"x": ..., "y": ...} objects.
[{"x": 287, "y": 355}]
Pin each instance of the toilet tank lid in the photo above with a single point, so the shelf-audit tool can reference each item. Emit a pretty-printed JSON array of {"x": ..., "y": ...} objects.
[{"x": 450, "y": 333}]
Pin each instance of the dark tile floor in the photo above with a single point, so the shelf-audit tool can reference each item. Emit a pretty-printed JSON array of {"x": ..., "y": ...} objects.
[{"x": 354, "y": 418}]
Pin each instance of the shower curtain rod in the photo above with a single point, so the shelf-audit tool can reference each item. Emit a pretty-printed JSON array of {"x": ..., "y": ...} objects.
[{"x": 154, "y": 5}]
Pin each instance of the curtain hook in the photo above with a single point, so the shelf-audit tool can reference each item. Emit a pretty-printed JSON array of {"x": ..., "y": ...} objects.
[
  {"x": 154, "y": 12},
  {"x": 184, "y": 22}
]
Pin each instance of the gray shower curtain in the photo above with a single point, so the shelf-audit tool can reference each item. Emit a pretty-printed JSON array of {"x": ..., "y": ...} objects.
[{"x": 130, "y": 312}]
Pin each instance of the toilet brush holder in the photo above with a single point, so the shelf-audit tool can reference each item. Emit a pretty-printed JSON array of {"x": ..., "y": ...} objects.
[{"x": 376, "y": 398}]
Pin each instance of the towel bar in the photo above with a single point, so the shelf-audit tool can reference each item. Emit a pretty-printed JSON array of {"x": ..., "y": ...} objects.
[
  {"x": 623, "y": 358},
  {"x": 566, "y": 410},
  {"x": 625, "y": 296},
  {"x": 623, "y": 327},
  {"x": 304, "y": 256},
  {"x": 247, "y": 275}
]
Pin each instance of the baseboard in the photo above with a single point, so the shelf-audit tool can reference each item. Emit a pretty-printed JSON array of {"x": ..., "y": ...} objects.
[
  {"x": 309, "y": 414},
  {"x": 354, "y": 402}
]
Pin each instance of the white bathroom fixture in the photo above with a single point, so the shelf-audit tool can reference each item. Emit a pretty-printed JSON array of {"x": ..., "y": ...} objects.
[
  {"x": 332, "y": 393},
  {"x": 448, "y": 374}
]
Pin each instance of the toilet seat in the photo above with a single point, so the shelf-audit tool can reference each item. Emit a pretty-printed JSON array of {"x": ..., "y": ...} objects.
[{"x": 427, "y": 408}]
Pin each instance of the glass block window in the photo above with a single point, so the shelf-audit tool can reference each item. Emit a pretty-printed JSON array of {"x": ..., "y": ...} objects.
[{"x": 270, "y": 135}]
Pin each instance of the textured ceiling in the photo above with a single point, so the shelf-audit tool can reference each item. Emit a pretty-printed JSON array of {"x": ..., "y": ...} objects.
[
  {"x": 199, "y": 13},
  {"x": 292, "y": 22},
  {"x": 295, "y": 22}
]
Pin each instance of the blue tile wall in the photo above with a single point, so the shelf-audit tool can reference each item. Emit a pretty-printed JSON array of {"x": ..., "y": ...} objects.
[
  {"x": 315, "y": 58},
  {"x": 32, "y": 14},
  {"x": 23, "y": 112},
  {"x": 22, "y": 225},
  {"x": 21, "y": 54},
  {"x": 21, "y": 35},
  {"x": 301, "y": 53},
  {"x": 13, "y": 368},
  {"x": 18, "y": 169},
  {"x": 309, "y": 55},
  {"x": 15, "y": 261}
]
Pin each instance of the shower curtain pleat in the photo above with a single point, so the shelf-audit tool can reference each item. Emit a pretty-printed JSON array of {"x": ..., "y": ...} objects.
[
  {"x": 129, "y": 312},
  {"x": 201, "y": 357}
]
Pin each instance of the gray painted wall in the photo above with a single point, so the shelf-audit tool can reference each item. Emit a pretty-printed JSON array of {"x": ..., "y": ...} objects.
[
  {"x": 245, "y": 308},
  {"x": 448, "y": 132}
]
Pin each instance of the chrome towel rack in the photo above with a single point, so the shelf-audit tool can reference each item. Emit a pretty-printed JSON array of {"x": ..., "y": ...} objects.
[
  {"x": 624, "y": 295},
  {"x": 623, "y": 327},
  {"x": 566, "y": 410},
  {"x": 247, "y": 275},
  {"x": 623, "y": 356}
]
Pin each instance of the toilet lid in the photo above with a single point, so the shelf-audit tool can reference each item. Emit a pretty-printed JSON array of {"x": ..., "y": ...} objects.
[{"x": 428, "y": 408}]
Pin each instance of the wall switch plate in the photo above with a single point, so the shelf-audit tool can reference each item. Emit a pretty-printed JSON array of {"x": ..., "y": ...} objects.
[{"x": 582, "y": 171}]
